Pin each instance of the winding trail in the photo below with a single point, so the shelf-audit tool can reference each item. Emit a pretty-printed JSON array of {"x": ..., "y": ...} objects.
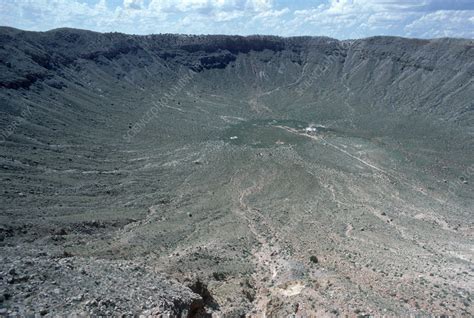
[
  {"x": 414, "y": 187},
  {"x": 368, "y": 164},
  {"x": 268, "y": 255}
]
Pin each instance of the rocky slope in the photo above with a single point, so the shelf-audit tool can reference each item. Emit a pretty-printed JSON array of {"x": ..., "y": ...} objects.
[{"x": 226, "y": 175}]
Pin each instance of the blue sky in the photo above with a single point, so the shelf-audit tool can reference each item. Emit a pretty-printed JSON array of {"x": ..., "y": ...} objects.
[{"x": 341, "y": 19}]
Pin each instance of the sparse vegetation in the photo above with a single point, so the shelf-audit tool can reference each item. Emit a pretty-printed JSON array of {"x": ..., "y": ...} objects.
[
  {"x": 314, "y": 259},
  {"x": 134, "y": 185}
]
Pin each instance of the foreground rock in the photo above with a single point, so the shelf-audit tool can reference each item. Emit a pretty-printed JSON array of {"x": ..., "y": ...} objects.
[{"x": 49, "y": 285}]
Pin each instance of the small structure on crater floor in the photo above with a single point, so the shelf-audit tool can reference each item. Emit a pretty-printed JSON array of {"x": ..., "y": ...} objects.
[{"x": 310, "y": 130}]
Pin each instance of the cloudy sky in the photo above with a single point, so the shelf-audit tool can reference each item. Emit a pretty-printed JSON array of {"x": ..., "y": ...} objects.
[{"x": 341, "y": 19}]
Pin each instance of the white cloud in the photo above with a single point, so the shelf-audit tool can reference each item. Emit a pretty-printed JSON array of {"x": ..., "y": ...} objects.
[
  {"x": 260, "y": 5},
  {"x": 47, "y": 14},
  {"x": 360, "y": 18},
  {"x": 133, "y": 4},
  {"x": 210, "y": 5},
  {"x": 336, "y": 18},
  {"x": 455, "y": 24}
]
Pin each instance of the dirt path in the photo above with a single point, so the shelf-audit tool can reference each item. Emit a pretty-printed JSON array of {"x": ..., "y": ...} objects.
[
  {"x": 427, "y": 215},
  {"x": 416, "y": 188},
  {"x": 268, "y": 256},
  {"x": 262, "y": 254}
]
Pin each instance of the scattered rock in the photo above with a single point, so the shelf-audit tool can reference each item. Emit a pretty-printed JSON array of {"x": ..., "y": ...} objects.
[{"x": 60, "y": 232}]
